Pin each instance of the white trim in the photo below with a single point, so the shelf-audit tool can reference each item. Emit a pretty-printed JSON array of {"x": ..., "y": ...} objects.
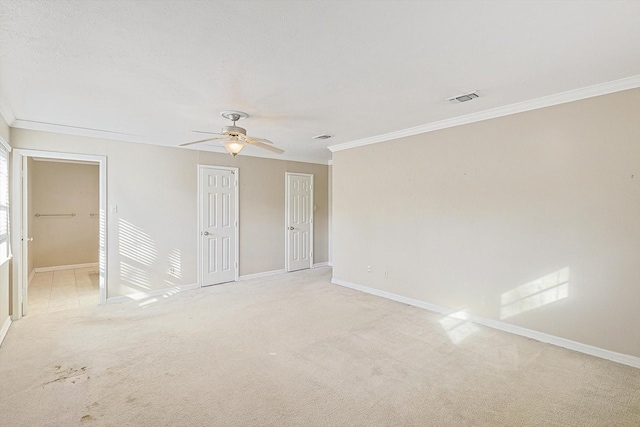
[
  {"x": 5, "y": 329},
  {"x": 236, "y": 172},
  {"x": 163, "y": 142},
  {"x": 31, "y": 275},
  {"x": 64, "y": 267},
  {"x": 330, "y": 213},
  {"x": 263, "y": 274},
  {"x": 534, "y": 104},
  {"x": 6, "y": 145},
  {"x": 320, "y": 264},
  {"x": 77, "y": 162},
  {"x": 75, "y": 130},
  {"x": 624, "y": 359},
  {"x": 158, "y": 292},
  {"x": 7, "y": 113},
  {"x": 17, "y": 213},
  {"x": 6, "y": 260}
]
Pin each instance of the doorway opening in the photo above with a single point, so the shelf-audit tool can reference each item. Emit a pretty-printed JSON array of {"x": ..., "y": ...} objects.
[
  {"x": 62, "y": 235},
  {"x": 59, "y": 231}
]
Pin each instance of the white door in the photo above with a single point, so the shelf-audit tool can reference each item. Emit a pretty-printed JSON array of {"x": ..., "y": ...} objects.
[
  {"x": 218, "y": 225},
  {"x": 299, "y": 199},
  {"x": 26, "y": 240}
]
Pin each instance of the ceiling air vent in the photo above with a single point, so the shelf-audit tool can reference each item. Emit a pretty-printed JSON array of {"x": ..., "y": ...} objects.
[
  {"x": 464, "y": 97},
  {"x": 323, "y": 136}
]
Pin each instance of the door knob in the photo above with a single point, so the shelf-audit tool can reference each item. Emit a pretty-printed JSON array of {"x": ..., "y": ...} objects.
[
  {"x": 206, "y": 233},
  {"x": 290, "y": 228},
  {"x": 30, "y": 239}
]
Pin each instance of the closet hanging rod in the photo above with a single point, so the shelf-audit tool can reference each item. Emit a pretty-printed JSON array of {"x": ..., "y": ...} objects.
[{"x": 39, "y": 215}]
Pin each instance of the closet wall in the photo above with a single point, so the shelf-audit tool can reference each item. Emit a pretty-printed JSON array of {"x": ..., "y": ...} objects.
[{"x": 64, "y": 188}]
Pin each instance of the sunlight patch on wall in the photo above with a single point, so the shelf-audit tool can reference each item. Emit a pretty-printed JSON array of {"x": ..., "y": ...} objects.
[
  {"x": 537, "y": 293},
  {"x": 141, "y": 259},
  {"x": 458, "y": 326},
  {"x": 175, "y": 263},
  {"x": 136, "y": 244},
  {"x": 134, "y": 276}
]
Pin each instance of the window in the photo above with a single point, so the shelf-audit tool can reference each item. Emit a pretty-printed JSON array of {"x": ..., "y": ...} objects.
[{"x": 4, "y": 201}]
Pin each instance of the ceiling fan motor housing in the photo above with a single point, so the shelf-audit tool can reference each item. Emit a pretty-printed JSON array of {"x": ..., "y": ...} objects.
[{"x": 233, "y": 130}]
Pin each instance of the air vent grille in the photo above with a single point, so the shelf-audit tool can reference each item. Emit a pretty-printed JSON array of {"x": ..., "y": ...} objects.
[{"x": 464, "y": 97}]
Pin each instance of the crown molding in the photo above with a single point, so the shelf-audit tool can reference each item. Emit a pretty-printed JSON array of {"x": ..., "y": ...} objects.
[
  {"x": 117, "y": 136},
  {"x": 7, "y": 113},
  {"x": 534, "y": 104},
  {"x": 75, "y": 130}
]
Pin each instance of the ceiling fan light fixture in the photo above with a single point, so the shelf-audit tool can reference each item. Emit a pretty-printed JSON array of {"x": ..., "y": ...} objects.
[
  {"x": 234, "y": 138},
  {"x": 234, "y": 146}
]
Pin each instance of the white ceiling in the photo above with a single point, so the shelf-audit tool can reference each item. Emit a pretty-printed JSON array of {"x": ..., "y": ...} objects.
[{"x": 151, "y": 71}]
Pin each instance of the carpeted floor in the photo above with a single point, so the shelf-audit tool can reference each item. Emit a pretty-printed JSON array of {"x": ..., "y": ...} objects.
[{"x": 295, "y": 350}]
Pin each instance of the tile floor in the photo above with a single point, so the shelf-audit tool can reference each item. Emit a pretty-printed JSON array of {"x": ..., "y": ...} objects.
[{"x": 63, "y": 290}]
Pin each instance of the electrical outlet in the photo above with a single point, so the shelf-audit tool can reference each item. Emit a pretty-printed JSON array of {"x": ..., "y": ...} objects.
[
  {"x": 386, "y": 273},
  {"x": 369, "y": 268}
]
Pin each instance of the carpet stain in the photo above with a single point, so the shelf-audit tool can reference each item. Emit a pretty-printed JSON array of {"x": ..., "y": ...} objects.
[
  {"x": 65, "y": 374},
  {"x": 87, "y": 417}
]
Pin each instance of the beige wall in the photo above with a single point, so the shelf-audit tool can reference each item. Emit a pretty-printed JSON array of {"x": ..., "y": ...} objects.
[
  {"x": 155, "y": 190},
  {"x": 532, "y": 219},
  {"x": 262, "y": 209},
  {"x": 59, "y": 188}
]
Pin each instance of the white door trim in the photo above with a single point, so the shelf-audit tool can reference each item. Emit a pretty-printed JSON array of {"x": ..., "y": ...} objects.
[
  {"x": 286, "y": 220},
  {"x": 20, "y": 275},
  {"x": 199, "y": 222}
]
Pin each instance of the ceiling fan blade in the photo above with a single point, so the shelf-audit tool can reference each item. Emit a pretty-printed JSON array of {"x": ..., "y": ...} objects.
[
  {"x": 203, "y": 140},
  {"x": 210, "y": 133},
  {"x": 265, "y": 146},
  {"x": 266, "y": 141}
]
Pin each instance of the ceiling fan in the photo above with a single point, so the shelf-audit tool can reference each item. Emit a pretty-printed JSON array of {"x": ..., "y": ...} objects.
[{"x": 234, "y": 138}]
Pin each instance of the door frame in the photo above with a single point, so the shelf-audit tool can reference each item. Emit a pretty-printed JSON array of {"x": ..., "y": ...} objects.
[
  {"x": 200, "y": 264},
  {"x": 20, "y": 275},
  {"x": 286, "y": 219}
]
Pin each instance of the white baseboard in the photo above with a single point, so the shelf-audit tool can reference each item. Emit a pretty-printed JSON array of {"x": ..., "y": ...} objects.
[
  {"x": 263, "y": 274},
  {"x": 157, "y": 292},
  {"x": 5, "y": 329},
  {"x": 624, "y": 359},
  {"x": 64, "y": 267},
  {"x": 321, "y": 264}
]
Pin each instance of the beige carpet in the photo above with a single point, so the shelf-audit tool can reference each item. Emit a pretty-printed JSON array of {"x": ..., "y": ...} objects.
[{"x": 296, "y": 350}]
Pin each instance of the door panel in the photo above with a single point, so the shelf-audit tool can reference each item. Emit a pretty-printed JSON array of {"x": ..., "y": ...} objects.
[
  {"x": 299, "y": 221},
  {"x": 218, "y": 225}
]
